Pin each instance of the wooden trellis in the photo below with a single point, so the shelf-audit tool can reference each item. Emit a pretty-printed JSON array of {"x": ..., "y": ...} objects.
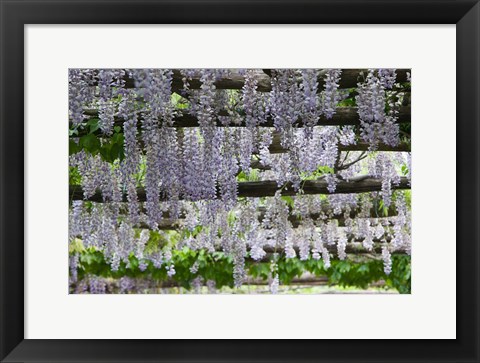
[
  {"x": 268, "y": 188},
  {"x": 350, "y": 78}
]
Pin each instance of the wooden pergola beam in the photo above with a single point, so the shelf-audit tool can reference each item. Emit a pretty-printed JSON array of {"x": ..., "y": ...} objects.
[
  {"x": 342, "y": 117},
  {"x": 277, "y": 148},
  {"x": 269, "y": 187},
  {"x": 348, "y": 79},
  {"x": 167, "y": 223},
  {"x": 353, "y": 247}
]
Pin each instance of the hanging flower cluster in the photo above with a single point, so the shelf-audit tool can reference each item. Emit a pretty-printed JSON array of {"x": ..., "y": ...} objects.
[
  {"x": 162, "y": 148},
  {"x": 378, "y": 108}
]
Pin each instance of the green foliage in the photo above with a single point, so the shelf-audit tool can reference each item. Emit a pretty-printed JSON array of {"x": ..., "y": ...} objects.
[
  {"x": 90, "y": 143},
  {"x": 156, "y": 241},
  {"x": 289, "y": 269},
  {"x": 110, "y": 149},
  {"x": 406, "y": 130},
  {"x": 74, "y": 177},
  {"x": 93, "y": 125},
  {"x": 216, "y": 267},
  {"x": 321, "y": 171},
  {"x": 382, "y": 209},
  {"x": 180, "y": 102},
  {"x": 113, "y": 148},
  {"x": 251, "y": 176},
  {"x": 289, "y": 200},
  {"x": 350, "y": 100},
  {"x": 142, "y": 170},
  {"x": 219, "y": 268},
  {"x": 408, "y": 198}
]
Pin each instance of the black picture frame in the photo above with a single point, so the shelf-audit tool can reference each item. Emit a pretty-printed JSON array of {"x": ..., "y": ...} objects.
[{"x": 15, "y": 14}]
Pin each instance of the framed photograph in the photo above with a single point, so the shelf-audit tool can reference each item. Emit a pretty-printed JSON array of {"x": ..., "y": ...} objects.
[{"x": 239, "y": 181}]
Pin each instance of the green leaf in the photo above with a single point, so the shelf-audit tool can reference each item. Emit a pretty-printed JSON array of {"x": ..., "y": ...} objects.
[
  {"x": 242, "y": 177},
  {"x": 74, "y": 177},
  {"x": 93, "y": 124},
  {"x": 90, "y": 143},
  {"x": 363, "y": 269},
  {"x": 116, "y": 152},
  {"x": 105, "y": 152},
  {"x": 117, "y": 129},
  {"x": 73, "y": 147},
  {"x": 117, "y": 139},
  {"x": 289, "y": 200}
]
